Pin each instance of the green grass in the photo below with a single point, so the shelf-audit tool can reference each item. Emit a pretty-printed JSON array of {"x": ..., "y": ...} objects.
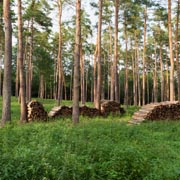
[{"x": 99, "y": 148}]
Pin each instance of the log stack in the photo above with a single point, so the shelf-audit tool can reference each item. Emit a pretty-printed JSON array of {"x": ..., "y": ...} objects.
[
  {"x": 88, "y": 111},
  {"x": 63, "y": 111},
  {"x": 108, "y": 107},
  {"x": 157, "y": 111},
  {"x": 35, "y": 111},
  {"x": 66, "y": 111},
  {"x": 165, "y": 112}
]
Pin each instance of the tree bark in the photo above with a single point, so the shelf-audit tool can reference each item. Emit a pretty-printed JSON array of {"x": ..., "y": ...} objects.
[
  {"x": 155, "y": 76},
  {"x": 171, "y": 53},
  {"x": 82, "y": 77},
  {"x": 76, "y": 83},
  {"x": 17, "y": 78},
  {"x": 99, "y": 56},
  {"x": 144, "y": 60},
  {"x": 60, "y": 69},
  {"x": 116, "y": 51},
  {"x": 177, "y": 50},
  {"x": 126, "y": 89},
  {"x": 95, "y": 73},
  {"x": 167, "y": 79},
  {"x": 1, "y": 50},
  {"x": 23, "y": 116},
  {"x": 162, "y": 75},
  {"x": 6, "y": 107}
]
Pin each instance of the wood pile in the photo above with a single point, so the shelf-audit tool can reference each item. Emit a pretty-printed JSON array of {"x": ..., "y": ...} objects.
[
  {"x": 35, "y": 111},
  {"x": 157, "y": 111},
  {"x": 108, "y": 107},
  {"x": 64, "y": 111},
  {"x": 165, "y": 112},
  {"x": 88, "y": 111}
]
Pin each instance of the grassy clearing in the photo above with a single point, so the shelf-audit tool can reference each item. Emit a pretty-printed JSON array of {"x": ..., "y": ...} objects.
[{"x": 99, "y": 148}]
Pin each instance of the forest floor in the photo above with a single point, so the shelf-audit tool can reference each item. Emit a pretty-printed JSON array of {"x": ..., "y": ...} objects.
[{"x": 96, "y": 148}]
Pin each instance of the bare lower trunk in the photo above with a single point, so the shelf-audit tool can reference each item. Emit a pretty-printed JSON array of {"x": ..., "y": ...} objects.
[
  {"x": 95, "y": 74},
  {"x": 177, "y": 50},
  {"x": 23, "y": 117},
  {"x": 126, "y": 89},
  {"x": 162, "y": 75},
  {"x": 171, "y": 53},
  {"x": 99, "y": 56},
  {"x": 116, "y": 80},
  {"x": 17, "y": 78},
  {"x": 60, "y": 69},
  {"x": 144, "y": 61},
  {"x": 155, "y": 77},
  {"x": 6, "y": 107},
  {"x": 167, "y": 80},
  {"x": 76, "y": 83}
]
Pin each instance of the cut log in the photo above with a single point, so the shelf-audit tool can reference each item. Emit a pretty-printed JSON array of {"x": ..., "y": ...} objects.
[{"x": 35, "y": 111}]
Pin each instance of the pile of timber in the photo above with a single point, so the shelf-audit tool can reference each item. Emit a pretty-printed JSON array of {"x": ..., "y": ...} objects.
[
  {"x": 168, "y": 110},
  {"x": 107, "y": 107},
  {"x": 88, "y": 111},
  {"x": 66, "y": 111},
  {"x": 60, "y": 111},
  {"x": 35, "y": 111},
  {"x": 113, "y": 107}
]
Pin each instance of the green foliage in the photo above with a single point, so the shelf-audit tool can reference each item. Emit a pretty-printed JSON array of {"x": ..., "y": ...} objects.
[{"x": 95, "y": 149}]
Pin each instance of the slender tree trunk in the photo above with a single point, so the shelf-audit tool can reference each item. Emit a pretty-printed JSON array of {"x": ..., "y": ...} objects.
[
  {"x": 31, "y": 60},
  {"x": 17, "y": 78},
  {"x": 70, "y": 87},
  {"x": 41, "y": 86},
  {"x": 171, "y": 53},
  {"x": 155, "y": 76},
  {"x": 135, "y": 84},
  {"x": 82, "y": 77},
  {"x": 177, "y": 49},
  {"x": 162, "y": 75},
  {"x": 112, "y": 90},
  {"x": 144, "y": 60},
  {"x": 1, "y": 68},
  {"x": 86, "y": 85},
  {"x": 148, "y": 101},
  {"x": 95, "y": 74},
  {"x": 126, "y": 89},
  {"x": 138, "y": 77},
  {"x": 60, "y": 69},
  {"x": 6, "y": 107},
  {"x": 116, "y": 89},
  {"x": 1, "y": 50},
  {"x": 103, "y": 79},
  {"x": 76, "y": 83},
  {"x": 23, "y": 116},
  {"x": 99, "y": 55},
  {"x": 167, "y": 79}
]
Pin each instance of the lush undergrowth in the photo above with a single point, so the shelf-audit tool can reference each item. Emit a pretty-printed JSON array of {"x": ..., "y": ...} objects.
[{"x": 100, "y": 148}]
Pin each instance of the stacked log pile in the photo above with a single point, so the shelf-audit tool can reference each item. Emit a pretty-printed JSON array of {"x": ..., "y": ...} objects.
[
  {"x": 35, "y": 111},
  {"x": 90, "y": 112},
  {"x": 165, "y": 112},
  {"x": 64, "y": 111},
  {"x": 108, "y": 107},
  {"x": 157, "y": 111}
]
